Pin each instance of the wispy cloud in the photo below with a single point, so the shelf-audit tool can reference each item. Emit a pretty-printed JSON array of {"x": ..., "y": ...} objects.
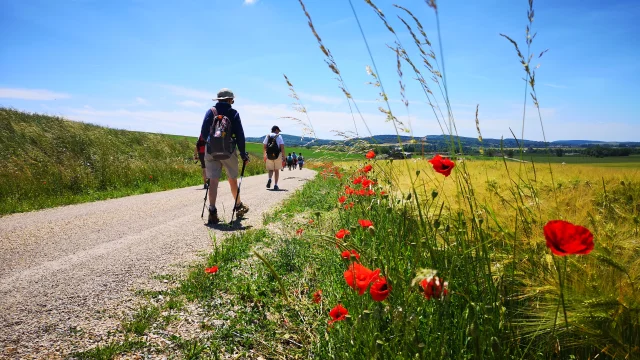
[
  {"x": 190, "y": 93},
  {"x": 191, "y": 104},
  {"x": 31, "y": 94},
  {"x": 250, "y": 2},
  {"x": 142, "y": 101},
  {"x": 322, "y": 99},
  {"x": 555, "y": 86}
]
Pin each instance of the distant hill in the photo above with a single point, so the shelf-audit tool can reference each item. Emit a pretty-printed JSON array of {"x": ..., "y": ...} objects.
[{"x": 444, "y": 140}]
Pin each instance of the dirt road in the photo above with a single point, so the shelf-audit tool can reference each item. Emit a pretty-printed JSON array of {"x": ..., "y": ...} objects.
[{"x": 62, "y": 268}]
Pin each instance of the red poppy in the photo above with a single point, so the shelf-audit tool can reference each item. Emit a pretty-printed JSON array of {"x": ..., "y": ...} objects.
[
  {"x": 347, "y": 254},
  {"x": 366, "y": 182},
  {"x": 317, "y": 296},
  {"x": 380, "y": 289},
  {"x": 348, "y": 206},
  {"x": 358, "y": 180},
  {"x": 44, "y": 183},
  {"x": 150, "y": 177},
  {"x": 349, "y": 191},
  {"x": 299, "y": 231},
  {"x": 370, "y": 155},
  {"x": 211, "y": 270},
  {"x": 442, "y": 165},
  {"x": 342, "y": 199},
  {"x": 310, "y": 221},
  {"x": 370, "y": 192},
  {"x": 434, "y": 287},
  {"x": 338, "y": 313},
  {"x": 365, "y": 223},
  {"x": 342, "y": 233},
  {"x": 383, "y": 193},
  {"x": 359, "y": 277},
  {"x": 367, "y": 168},
  {"x": 564, "y": 238}
]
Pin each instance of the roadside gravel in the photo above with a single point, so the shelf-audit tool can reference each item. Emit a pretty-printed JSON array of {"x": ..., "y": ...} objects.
[{"x": 71, "y": 270}]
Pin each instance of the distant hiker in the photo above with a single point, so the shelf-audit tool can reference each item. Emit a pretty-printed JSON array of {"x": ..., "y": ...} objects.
[
  {"x": 199, "y": 154},
  {"x": 295, "y": 160},
  {"x": 273, "y": 147},
  {"x": 289, "y": 161},
  {"x": 223, "y": 130},
  {"x": 300, "y": 160}
]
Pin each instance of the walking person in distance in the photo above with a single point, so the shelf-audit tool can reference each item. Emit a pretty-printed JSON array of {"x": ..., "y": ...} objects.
[{"x": 273, "y": 147}]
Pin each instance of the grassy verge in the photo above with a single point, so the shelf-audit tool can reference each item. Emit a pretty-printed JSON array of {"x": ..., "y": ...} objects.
[
  {"x": 48, "y": 161},
  {"x": 495, "y": 308}
]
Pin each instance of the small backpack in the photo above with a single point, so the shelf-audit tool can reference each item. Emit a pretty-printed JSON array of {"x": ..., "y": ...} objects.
[
  {"x": 289, "y": 159},
  {"x": 220, "y": 144},
  {"x": 273, "y": 150}
]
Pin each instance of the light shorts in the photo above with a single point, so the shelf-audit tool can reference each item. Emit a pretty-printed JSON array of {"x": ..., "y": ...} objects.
[
  {"x": 214, "y": 167},
  {"x": 274, "y": 164}
]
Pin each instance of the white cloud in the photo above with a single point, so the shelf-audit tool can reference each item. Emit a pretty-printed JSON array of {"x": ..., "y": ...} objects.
[
  {"x": 31, "y": 94},
  {"x": 250, "y": 2},
  {"x": 191, "y": 103}
]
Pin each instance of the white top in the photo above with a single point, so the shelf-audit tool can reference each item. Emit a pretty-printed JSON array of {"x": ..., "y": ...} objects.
[{"x": 279, "y": 140}]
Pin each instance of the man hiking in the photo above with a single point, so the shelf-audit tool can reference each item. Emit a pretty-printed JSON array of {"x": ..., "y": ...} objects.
[
  {"x": 223, "y": 132},
  {"x": 273, "y": 147},
  {"x": 295, "y": 160},
  {"x": 199, "y": 154},
  {"x": 289, "y": 161},
  {"x": 300, "y": 160}
]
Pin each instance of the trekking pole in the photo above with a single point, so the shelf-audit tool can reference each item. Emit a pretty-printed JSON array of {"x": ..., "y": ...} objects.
[
  {"x": 205, "y": 200},
  {"x": 235, "y": 203}
]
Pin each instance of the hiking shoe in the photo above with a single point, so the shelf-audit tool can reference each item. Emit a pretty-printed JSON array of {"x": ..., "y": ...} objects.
[
  {"x": 275, "y": 188},
  {"x": 241, "y": 209},
  {"x": 269, "y": 184},
  {"x": 213, "y": 217}
]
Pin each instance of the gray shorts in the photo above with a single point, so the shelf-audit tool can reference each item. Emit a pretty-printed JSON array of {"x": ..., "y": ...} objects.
[{"x": 214, "y": 167}]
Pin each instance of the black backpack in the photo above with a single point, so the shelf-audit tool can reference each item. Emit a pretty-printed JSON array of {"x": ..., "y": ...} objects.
[
  {"x": 220, "y": 143},
  {"x": 273, "y": 150}
]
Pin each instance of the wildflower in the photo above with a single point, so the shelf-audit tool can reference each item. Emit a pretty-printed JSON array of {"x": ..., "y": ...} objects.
[
  {"x": 442, "y": 165},
  {"x": 365, "y": 223},
  {"x": 299, "y": 231},
  {"x": 44, "y": 183},
  {"x": 564, "y": 238},
  {"x": 366, "y": 182},
  {"x": 367, "y": 168},
  {"x": 150, "y": 176},
  {"x": 383, "y": 193},
  {"x": 338, "y": 313},
  {"x": 370, "y": 154},
  {"x": 211, "y": 270},
  {"x": 342, "y": 233},
  {"x": 317, "y": 296},
  {"x": 434, "y": 287},
  {"x": 370, "y": 192},
  {"x": 349, "y": 191},
  {"x": 380, "y": 289},
  {"x": 310, "y": 221},
  {"x": 347, "y": 254},
  {"x": 342, "y": 199},
  {"x": 349, "y": 206},
  {"x": 359, "y": 277},
  {"x": 358, "y": 180}
]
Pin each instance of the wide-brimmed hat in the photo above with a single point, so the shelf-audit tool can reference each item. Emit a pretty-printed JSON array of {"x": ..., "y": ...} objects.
[
  {"x": 274, "y": 128},
  {"x": 224, "y": 94}
]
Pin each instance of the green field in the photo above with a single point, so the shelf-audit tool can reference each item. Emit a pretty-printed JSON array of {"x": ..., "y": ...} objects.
[{"x": 312, "y": 154}]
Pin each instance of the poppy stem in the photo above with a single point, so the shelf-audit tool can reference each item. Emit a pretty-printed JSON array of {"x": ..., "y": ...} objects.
[
  {"x": 563, "y": 278},
  {"x": 275, "y": 275}
]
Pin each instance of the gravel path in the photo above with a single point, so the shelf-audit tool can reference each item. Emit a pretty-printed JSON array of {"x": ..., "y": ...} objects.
[{"x": 61, "y": 269}]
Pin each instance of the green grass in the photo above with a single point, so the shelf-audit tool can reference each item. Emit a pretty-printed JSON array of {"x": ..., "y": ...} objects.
[
  {"x": 110, "y": 350},
  {"x": 49, "y": 161}
]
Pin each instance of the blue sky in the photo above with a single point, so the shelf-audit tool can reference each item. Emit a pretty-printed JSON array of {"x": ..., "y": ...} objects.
[{"x": 155, "y": 65}]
